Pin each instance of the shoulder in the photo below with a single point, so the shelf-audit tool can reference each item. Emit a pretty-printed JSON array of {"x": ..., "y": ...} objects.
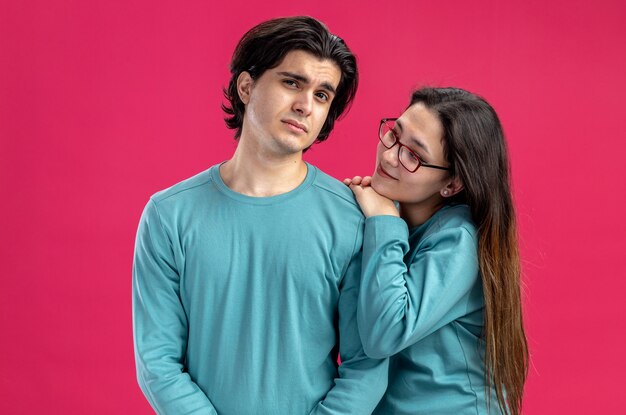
[
  {"x": 183, "y": 190},
  {"x": 451, "y": 236},
  {"x": 452, "y": 221},
  {"x": 454, "y": 216},
  {"x": 183, "y": 198},
  {"x": 333, "y": 189}
]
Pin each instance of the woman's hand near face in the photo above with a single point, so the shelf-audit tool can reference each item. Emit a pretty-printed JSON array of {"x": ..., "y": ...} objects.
[{"x": 372, "y": 204}]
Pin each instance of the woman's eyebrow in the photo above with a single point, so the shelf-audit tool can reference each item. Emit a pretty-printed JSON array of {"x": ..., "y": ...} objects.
[{"x": 415, "y": 140}]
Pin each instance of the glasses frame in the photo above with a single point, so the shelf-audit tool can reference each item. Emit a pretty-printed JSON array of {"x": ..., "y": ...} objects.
[{"x": 420, "y": 162}]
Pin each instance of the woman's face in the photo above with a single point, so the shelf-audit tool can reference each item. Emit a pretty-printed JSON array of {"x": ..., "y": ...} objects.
[{"x": 420, "y": 130}]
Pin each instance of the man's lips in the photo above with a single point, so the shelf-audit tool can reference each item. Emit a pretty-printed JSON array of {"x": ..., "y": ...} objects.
[
  {"x": 383, "y": 173},
  {"x": 296, "y": 125}
]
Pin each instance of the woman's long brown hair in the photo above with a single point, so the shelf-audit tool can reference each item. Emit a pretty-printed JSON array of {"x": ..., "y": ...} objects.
[{"x": 476, "y": 150}]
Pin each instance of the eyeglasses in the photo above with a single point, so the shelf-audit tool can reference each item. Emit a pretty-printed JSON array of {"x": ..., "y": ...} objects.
[{"x": 407, "y": 157}]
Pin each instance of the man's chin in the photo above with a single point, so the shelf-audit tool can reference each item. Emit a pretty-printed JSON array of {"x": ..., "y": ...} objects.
[{"x": 290, "y": 145}]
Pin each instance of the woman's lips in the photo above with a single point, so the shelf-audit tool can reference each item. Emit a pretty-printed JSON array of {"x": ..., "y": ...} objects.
[{"x": 383, "y": 173}]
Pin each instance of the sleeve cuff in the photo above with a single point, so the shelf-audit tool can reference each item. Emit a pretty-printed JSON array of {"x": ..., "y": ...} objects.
[{"x": 391, "y": 227}]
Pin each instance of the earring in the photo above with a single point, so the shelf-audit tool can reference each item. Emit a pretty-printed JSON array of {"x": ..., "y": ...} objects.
[{"x": 445, "y": 193}]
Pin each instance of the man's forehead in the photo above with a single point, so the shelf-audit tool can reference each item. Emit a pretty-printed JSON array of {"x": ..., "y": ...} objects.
[{"x": 310, "y": 66}]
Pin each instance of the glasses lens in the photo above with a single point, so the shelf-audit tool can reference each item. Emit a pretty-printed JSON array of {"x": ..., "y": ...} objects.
[
  {"x": 386, "y": 134},
  {"x": 408, "y": 159}
]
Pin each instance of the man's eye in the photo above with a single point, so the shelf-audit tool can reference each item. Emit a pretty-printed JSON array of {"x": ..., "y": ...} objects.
[
  {"x": 290, "y": 82},
  {"x": 323, "y": 96}
]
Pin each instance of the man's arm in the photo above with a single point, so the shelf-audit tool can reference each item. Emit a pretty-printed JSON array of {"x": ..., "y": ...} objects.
[
  {"x": 160, "y": 324},
  {"x": 362, "y": 381}
]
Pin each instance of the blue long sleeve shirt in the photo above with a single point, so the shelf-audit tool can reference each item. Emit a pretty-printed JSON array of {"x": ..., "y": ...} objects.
[
  {"x": 421, "y": 302},
  {"x": 241, "y": 304}
]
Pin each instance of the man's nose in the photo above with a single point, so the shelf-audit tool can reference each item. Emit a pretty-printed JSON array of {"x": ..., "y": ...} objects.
[{"x": 303, "y": 103}]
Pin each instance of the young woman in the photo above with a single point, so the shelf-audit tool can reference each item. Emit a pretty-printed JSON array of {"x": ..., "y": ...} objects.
[{"x": 440, "y": 288}]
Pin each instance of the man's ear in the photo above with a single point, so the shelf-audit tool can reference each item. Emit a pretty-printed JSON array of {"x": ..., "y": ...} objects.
[
  {"x": 244, "y": 86},
  {"x": 453, "y": 187}
]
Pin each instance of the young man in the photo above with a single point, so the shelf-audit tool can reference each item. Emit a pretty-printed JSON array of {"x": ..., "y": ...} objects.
[{"x": 245, "y": 276}]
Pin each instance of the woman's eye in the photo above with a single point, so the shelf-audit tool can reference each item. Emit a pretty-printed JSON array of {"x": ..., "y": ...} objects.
[{"x": 414, "y": 157}]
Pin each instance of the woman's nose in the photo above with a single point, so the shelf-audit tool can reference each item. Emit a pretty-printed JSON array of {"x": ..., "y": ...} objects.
[{"x": 390, "y": 155}]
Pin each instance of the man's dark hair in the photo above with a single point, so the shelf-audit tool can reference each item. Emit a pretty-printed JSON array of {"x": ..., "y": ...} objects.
[{"x": 264, "y": 46}]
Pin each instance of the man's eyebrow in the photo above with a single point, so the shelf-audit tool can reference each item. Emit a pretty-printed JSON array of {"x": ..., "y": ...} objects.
[
  {"x": 415, "y": 140},
  {"x": 305, "y": 80}
]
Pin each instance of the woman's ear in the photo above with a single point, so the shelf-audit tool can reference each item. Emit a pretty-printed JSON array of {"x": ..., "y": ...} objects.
[
  {"x": 453, "y": 187},
  {"x": 244, "y": 86}
]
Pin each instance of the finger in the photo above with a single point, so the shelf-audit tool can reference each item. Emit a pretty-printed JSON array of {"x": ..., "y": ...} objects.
[
  {"x": 347, "y": 181},
  {"x": 367, "y": 181},
  {"x": 356, "y": 180}
]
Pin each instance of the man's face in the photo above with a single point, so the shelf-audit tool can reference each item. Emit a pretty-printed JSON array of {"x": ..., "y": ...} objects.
[{"x": 286, "y": 107}]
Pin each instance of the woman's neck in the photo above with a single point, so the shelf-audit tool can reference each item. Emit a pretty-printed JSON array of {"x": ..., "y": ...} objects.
[{"x": 415, "y": 214}]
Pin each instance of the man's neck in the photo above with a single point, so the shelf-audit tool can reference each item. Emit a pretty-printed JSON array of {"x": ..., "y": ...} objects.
[{"x": 252, "y": 173}]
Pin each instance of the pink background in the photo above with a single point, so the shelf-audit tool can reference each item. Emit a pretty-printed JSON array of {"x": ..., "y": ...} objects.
[{"x": 104, "y": 103}]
